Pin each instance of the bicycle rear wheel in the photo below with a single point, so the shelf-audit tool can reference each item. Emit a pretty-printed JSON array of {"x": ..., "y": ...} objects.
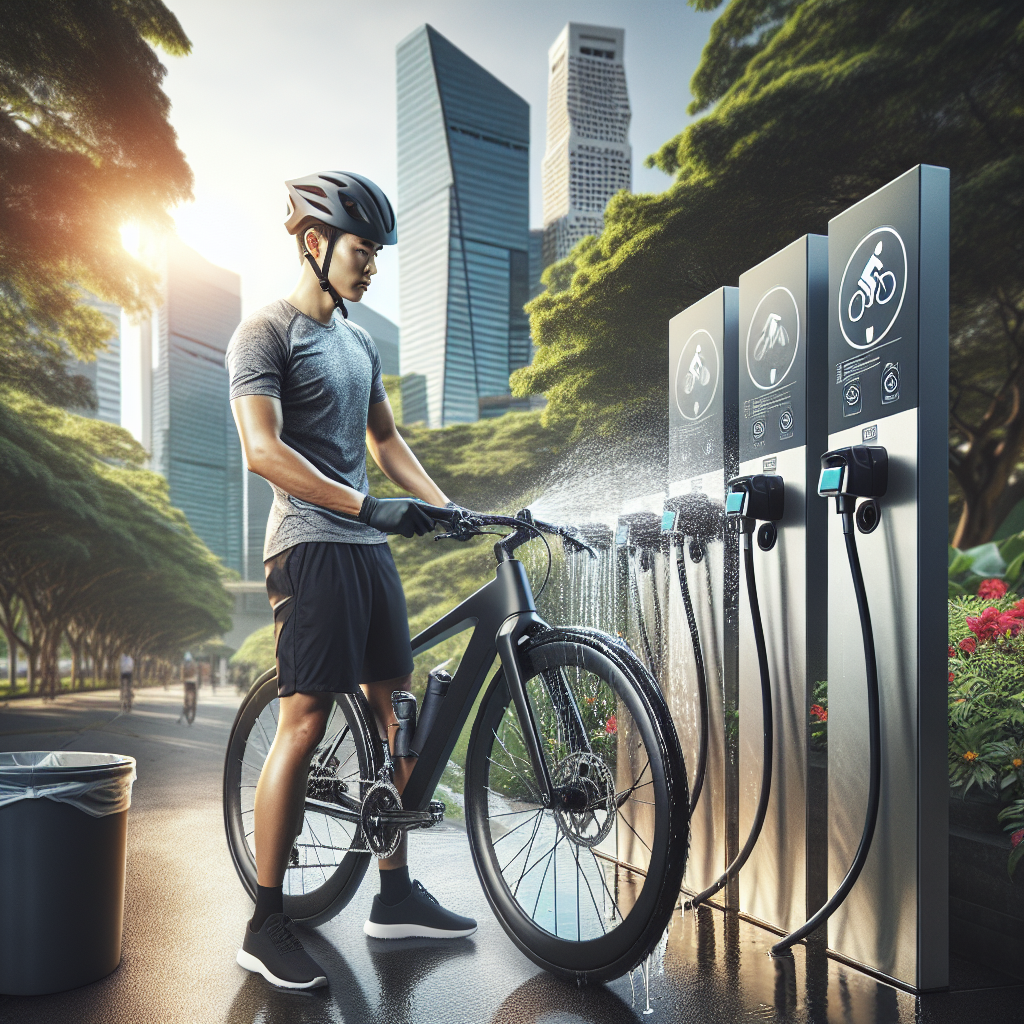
[
  {"x": 329, "y": 858},
  {"x": 585, "y": 889}
]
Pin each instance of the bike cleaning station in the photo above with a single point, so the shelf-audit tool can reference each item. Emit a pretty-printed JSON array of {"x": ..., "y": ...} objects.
[
  {"x": 798, "y": 542},
  {"x": 808, "y": 487}
]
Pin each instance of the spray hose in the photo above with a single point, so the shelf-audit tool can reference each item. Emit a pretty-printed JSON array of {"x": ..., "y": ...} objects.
[
  {"x": 702, "y": 677},
  {"x": 782, "y": 948},
  {"x": 768, "y": 728}
]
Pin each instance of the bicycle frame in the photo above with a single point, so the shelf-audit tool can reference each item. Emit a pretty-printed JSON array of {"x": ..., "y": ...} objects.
[{"x": 500, "y": 614}]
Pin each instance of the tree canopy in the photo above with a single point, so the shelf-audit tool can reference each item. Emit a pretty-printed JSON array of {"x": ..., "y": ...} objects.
[
  {"x": 816, "y": 104},
  {"x": 85, "y": 147},
  {"x": 91, "y": 549}
]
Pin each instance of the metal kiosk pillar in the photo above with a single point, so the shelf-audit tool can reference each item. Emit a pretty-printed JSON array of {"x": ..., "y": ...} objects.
[
  {"x": 888, "y": 385},
  {"x": 783, "y": 349},
  {"x": 702, "y": 457}
]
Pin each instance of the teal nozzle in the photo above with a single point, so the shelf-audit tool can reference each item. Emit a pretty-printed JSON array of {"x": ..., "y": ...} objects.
[
  {"x": 734, "y": 502},
  {"x": 668, "y": 521},
  {"x": 831, "y": 481}
]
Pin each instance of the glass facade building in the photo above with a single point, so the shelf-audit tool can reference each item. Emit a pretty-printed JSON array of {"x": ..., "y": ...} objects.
[
  {"x": 103, "y": 372},
  {"x": 463, "y": 214},
  {"x": 193, "y": 440}
]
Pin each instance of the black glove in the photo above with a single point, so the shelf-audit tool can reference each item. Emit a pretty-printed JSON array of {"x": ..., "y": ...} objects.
[{"x": 395, "y": 515}]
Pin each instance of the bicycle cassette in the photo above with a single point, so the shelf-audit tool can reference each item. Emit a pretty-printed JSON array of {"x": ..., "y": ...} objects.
[{"x": 381, "y": 839}]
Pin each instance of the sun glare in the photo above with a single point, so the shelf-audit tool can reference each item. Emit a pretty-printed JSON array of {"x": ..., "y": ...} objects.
[{"x": 130, "y": 238}]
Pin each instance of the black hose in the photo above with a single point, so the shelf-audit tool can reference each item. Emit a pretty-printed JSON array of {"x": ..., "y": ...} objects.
[
  {"x": 782, "y": 948},
  {"x": 702, "y": 676},
  {"x": 644, "y": 638},
  {"x": 769, "y": 736}
]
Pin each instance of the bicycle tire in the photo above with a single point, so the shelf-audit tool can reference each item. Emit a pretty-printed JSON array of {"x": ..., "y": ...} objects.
[
  {"x": 578, "y": 656},
  {"x": 339, "y": 880}
]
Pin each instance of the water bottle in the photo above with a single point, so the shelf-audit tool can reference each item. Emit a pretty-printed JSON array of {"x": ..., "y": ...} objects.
[
  {"x": 437, "y": 687},
  {"x": 404, "y": 704}
]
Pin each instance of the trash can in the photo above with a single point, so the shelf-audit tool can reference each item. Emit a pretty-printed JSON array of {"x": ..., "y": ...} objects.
[{"x": 63, "y": 837}]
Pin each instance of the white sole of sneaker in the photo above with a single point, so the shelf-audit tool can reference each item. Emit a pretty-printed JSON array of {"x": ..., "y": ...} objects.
[
  {"x": 412, "y": 931},
  {"x": 250, "y": 963}
]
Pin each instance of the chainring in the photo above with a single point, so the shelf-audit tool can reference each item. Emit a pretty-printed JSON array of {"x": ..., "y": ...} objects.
[
  {"x": 382, "y": 840},
  {"x": 586, "y": 773}
]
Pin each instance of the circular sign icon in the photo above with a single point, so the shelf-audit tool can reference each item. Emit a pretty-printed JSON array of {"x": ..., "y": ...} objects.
[
  {"x": 773, "y": 338},
  {"x": 696, "y": 378},
  {"x": 758, "y": 429},
  {"x": 786, "y": 421},
  {"x": 873, "y": 287},
  {"x": 852, "y": 394}
]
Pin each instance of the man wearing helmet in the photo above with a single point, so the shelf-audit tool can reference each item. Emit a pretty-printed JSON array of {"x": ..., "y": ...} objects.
[{"x": 308, "y": 401}]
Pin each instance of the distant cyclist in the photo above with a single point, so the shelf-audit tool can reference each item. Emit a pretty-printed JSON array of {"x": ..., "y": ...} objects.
[
  {"x": 190, "y": 679},
  {"x": 308, "y": 401}
]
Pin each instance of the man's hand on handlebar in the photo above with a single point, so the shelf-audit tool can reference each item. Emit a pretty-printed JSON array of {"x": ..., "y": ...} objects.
[{"x": 396, "y": 515}]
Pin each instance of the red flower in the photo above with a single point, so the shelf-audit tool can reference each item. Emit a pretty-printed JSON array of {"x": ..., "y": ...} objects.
[
  {"x": 951, "y": 677},
  {"x": 991, "y": 590},
  {"x": 986, "y": 626},
  {"x": 968, "y": 645},
  {"x": 1016, "y": 838},
  {"x": 952, "y": 651},
  {"x": 611, "y": 726},
  {"x": 1009, "y": 623},
  {"x": 818, "y": 712}
]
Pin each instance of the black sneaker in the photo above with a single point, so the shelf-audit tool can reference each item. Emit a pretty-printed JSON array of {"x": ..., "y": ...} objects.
[
  {"x": 419, "y": 915},
  {"x": 275, "y": 953}
]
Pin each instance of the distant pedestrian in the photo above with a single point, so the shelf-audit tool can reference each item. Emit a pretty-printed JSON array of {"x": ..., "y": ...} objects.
[
  {"x": 190, "y": 679},
  {"x": 127, "y": 668}
]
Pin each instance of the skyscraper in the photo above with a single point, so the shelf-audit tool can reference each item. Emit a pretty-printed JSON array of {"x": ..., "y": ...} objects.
[
  {"x": 384, "y": 332},
  {"x": 191, "y": 435},
  {"x": 588, "y": 157},
  {"x": 104, "y": 372},
  {"x": 463, "y": 214}
]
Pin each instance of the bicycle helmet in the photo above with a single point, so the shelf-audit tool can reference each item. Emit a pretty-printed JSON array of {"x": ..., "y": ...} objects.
[{"x": 347, "y": 201}]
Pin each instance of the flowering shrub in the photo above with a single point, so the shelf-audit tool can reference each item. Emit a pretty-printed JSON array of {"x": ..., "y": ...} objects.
[
  {"x": 1014, "y": 818},
  {"x": 986, "y": 698},
  {"x": 819, "y": 716}
]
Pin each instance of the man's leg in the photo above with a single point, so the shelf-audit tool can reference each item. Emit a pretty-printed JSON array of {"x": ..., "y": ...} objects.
[
  {"x": 404, "y": 909},
  {"x": 281, "y": 791}
]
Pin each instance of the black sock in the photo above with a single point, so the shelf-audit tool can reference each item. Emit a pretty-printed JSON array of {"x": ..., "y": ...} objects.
[
  {"x": 269, "y": 900},
  {"x": 395, "y": 885}
]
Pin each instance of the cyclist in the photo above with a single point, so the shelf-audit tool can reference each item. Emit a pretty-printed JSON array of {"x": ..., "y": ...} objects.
[
  {"x": 307, "y": 398},
  {"x": 190, "y": 679}
]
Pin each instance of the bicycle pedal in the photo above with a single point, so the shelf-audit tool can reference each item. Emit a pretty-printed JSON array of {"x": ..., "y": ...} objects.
[{"x": 437, "y": 809}]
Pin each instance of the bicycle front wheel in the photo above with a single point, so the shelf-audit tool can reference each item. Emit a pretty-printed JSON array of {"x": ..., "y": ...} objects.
[
  {"x": 585, "y": 888},
  {"x": 329, "y": 857}
]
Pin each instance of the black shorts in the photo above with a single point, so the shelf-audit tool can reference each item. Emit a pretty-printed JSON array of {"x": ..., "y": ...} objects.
[{"x": 339, "y": 617}]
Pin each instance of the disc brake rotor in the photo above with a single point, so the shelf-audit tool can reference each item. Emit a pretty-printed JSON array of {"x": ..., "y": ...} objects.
[
  {"x": 381, "y": 839},
  {"x": 590, "y": 790}
]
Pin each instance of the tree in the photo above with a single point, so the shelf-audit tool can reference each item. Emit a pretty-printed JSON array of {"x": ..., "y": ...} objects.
[
  {"x": 816, "y": 103},
  {"x": 91, "y": 549},
  {"x": 85, "y": 147}
]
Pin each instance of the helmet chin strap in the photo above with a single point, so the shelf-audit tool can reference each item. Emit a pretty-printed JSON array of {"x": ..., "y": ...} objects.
[{"x": 321, "y": 275}]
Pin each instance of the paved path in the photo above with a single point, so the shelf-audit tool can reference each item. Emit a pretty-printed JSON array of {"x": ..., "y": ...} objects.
[{"x": 185, "y": 910}]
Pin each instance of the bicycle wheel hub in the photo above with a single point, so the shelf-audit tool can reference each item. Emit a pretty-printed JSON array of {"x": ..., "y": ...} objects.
[{"x": 584, "y": 798}]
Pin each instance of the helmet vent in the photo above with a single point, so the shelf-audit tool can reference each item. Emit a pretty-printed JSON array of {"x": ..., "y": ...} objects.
[
  {"x": 314, "y": 189},
  {"x": 352, "y": 208},
  {"x": 333, "y": 181},
  {"x": 320, "y": 206}
]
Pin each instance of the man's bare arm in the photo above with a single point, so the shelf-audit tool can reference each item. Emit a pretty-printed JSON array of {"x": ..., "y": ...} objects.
[
  {"x": 260, "y": 420},
  {"x": 395, "y": 457}
]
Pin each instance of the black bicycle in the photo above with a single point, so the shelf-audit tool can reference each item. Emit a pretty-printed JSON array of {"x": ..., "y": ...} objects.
[{"x": 576, "y": 795}]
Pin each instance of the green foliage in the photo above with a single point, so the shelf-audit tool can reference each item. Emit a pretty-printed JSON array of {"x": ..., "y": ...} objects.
[
  {"x": 818, "y": 104},
  {"x": 90, "y": 547},
  {"x": 1013, "y": 815},
  {"x": 970, "y": 752},
  {"x": 85, "y": 146},
  {"x": 1003, "y": 560}
]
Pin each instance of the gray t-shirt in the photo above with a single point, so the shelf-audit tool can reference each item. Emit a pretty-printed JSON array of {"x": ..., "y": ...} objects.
[{"x": 326, "y": 377}]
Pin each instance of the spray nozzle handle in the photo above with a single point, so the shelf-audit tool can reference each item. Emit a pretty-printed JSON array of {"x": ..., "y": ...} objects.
[
  {"x": 761, "y": 497},
  {"x": 860, "y": 471}
]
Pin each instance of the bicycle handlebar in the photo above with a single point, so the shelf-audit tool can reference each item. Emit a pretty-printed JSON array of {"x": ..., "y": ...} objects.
[{"x": 464, "y": 523}]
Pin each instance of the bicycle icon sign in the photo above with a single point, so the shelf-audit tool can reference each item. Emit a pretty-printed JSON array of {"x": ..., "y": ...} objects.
[
  {"x": 696, "y": 378},
  {"x": 773, "y": 337},
  {"x": 873, "y": 287}
]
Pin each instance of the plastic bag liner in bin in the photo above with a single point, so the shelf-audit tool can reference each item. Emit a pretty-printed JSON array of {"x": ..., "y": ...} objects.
[{"x": 63, "y": 840}]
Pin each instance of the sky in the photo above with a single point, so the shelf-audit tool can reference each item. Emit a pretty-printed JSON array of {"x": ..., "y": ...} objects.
[{"x": 274, "y": 90}]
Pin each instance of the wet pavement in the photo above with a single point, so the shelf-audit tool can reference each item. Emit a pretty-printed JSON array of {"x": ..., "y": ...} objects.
[{"x": 185, "y": 909}]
